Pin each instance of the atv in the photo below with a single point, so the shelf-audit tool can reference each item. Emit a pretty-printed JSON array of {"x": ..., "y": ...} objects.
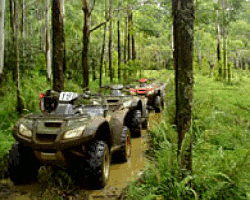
[
  {"x": 153, "y": 91},
  {"x": 81, "y": 132},
  {"x": 137, "y": 111}
]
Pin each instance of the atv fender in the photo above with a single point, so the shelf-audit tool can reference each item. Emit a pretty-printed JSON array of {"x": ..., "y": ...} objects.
[
  {"x": 144, "y": 109},
  {"x": 99, "y": 127},
  {"x": 116, "y": 125}
]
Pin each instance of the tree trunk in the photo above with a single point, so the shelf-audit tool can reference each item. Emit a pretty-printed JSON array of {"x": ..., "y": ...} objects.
[
  {"x": 229, "y": 62},
  {"x": 224, "y": 53},
  {"x": 125, "y": 48},
  {"x": 129, "y": 36},
  {"x": 23, "y": 18},
  {"x": 2, "y": 13},
  {"x": 12, "y": 8},
  {"x": 103, "y": 45},
  {"x": 106, "y": 66},
  {"x": 183, "y": 20},
  {"x": 86, "y": 29},
  {"x": 48, "y": 49},
  {"x": 19, "y": 106},
  {"x": 172, "y": 37},
  {"x": 125, "y": 40},
  {"x": 218, "y": 42},
  {"x": 133, "y": 38},
  {"x": 64, "y": 44},
  {"x": 119, "y": 44},
  {"x": 224, "y": 40},
  {"x": 12, "y": 15},
  {"x": 110, "y": 41},
  {"x": 133, "y": 48},
  {"x": 58, "y": 45},
  {"x": 93, "y": 69}
]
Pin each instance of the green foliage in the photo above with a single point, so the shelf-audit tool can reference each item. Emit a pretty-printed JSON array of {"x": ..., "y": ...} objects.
[{"x": 221, "y": 152}]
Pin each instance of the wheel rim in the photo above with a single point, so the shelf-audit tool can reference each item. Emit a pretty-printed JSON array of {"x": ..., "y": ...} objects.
[
  {"x": 106, "y": 165},
  {"x": 128, "y": 146}
]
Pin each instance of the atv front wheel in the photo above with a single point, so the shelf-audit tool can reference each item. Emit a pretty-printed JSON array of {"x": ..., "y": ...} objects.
[
  {"x": 136, "y": 124},
  {"x": 157, "y": 104},
  {"x": 98, "y": 164},
  {"x": 23, "y": 166}
]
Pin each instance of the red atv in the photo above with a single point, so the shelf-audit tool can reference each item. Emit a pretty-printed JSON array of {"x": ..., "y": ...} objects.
[{"x": 153, "y": 91}]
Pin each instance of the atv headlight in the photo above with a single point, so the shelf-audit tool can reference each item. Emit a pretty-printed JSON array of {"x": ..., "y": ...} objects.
[
  {"x": 74, "y": 133},
  {"x": 23, "y": 130}
]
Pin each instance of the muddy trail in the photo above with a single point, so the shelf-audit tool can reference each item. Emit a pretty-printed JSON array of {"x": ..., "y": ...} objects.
[{"x": 120, "y": 176}]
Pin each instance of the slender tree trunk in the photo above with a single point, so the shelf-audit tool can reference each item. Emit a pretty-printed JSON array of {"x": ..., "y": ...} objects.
[
  {"x": 12, "y": 15},
  {"x": 125, "y": 47},
  {"x": 48, "y": 49},
  {"x": 94, "y": 69},
  {"x": 58, "y": 45},
  {"x": 103, "y": 45},
  {"x": 111, "y": 41},
  {"x": 2, "y": 13},
  {"x": 229, "y": 62},
  {"x": 119, "y": 44},
  {"x": 224, "y": 53},
  {"x": 224, "y": 40},
  {"x": 125, "y": 40},
  {"x": 63, "y": 38},
  {"x": 13, "y": 68},
  {"x": 183, "y": 20},
  {"x": 236, "y": 59},
  {"x": 23, "y": 18},
  {"x": 172, "y": 37},
  {"x": 133, "y": 38},
  {"x": 129, "y": 35},
  {"x": 218, "y": 41},
  {"x": 102, "y": 53},
  {"x": 19, "y": 106},
  {"x": 133, "y": 48},
  {"x": 86, "y": 32},
  {"x": 23, "y": 29},
  {"x": 106, "y": 66}
]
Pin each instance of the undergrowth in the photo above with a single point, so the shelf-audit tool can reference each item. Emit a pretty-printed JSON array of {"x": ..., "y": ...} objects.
[{"x": 221, "y": 137}]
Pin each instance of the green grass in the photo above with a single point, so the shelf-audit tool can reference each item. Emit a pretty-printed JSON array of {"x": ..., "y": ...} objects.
[{"x": 221, "y": 151}]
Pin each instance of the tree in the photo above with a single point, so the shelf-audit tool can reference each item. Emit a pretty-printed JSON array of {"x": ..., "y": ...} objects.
[
  {"x": 133, "y": 38},
  {"x": 125, "y": 47},
  {"x": 58, "y": 44},
  {"x": 119, "y": 42},
  {"x": 2, "y": 13},
  {"x": 88, "y": 7},
  {"x": 111, "y": 41},
  {"x": 48, "y": 49},
  {"x": 183, "y": 20},
  {"x": 218, "y": 40},
  {"x": 129, "y": 32},
  {"x": 19, "y": 106},
  {"x": 103, "y": 43}
]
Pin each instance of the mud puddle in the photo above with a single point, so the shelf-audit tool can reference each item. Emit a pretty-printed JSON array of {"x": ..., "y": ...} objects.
[{"x": 120, "y": 175}]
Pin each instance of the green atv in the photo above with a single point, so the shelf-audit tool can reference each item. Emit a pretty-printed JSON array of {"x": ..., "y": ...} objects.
[
  {"x": 136, "y": 106},
  {"x": 81, "y": 133}
]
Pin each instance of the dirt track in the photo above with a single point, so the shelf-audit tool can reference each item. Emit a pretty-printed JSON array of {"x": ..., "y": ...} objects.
[{"x": 120, "y": 175}]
